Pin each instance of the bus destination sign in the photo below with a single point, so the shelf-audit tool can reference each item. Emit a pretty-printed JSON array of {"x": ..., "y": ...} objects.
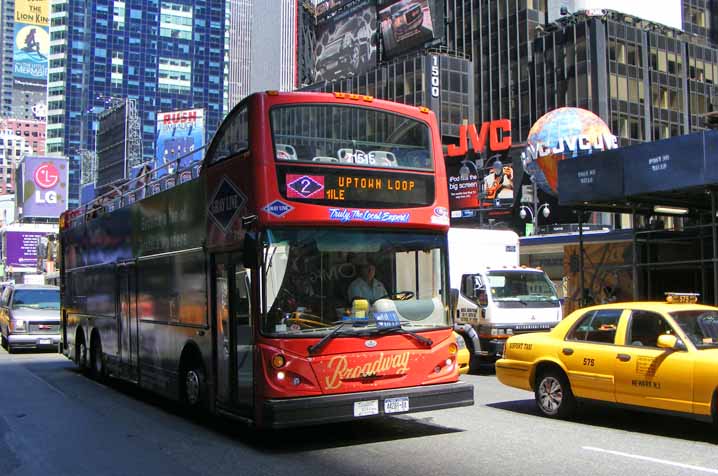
[{"x": 360, "y": 188}]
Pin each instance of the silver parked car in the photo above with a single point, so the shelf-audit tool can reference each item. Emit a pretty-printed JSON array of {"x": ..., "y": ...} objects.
[{"x": 30, "y": 316}]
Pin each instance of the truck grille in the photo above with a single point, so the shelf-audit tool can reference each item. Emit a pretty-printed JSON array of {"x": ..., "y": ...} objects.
[
  {"x": 533, "y": 327},
  {"x": 49, "y": 327}
]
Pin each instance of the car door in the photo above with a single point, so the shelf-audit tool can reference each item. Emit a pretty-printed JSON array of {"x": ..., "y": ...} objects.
[
  {"x": 650, "y": 376},
  {"x": 589, "y": 354}
]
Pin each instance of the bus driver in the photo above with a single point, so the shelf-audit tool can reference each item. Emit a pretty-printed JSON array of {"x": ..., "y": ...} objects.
[{"x": 365, "y": 286}]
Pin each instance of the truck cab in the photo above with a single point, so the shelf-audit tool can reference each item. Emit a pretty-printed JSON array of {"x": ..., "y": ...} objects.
[{"x": 495, "y": 297}]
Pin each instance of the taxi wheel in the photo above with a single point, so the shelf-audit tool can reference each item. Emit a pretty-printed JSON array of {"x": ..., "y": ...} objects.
[{"x": 553, "y": 394}]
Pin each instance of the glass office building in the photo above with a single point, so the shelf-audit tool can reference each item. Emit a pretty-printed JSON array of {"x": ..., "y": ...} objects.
[{"x": 168, "y": 55}]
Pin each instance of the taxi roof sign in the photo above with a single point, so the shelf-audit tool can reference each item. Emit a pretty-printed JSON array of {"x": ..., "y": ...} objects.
[{"x": 682, "y": 298}]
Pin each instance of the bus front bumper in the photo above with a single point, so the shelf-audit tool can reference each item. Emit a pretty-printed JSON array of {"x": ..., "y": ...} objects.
[{"x": 305, "y": 411}]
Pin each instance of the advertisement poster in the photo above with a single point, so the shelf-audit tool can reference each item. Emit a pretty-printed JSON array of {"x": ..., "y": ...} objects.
[
  {"x": 346, "y": 40},
  {"x": 180, "y": 137},
  {"x": 45, "y": 183},
  {"x": 490, "y": 187},
  {"x": 21, "y": 248},
  {"x": 31, "y": 45},
  {"x": 405, "y": 25}
]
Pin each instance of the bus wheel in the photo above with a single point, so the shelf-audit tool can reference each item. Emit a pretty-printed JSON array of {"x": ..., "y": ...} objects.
[
  {"x": 193, "y": 386},
  {"x": 97, "y": 362},
  {"x": 81, "y": 354}
]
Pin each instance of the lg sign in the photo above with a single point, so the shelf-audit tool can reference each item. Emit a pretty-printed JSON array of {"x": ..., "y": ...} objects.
[{"x": 46, "y": 176}]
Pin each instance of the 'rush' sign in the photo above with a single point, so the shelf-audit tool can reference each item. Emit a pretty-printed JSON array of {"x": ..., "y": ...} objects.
[{"x": 478, "y": 138}]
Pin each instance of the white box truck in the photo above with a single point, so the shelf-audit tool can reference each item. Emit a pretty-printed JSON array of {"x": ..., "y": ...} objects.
[{"x": 493, "y": 297}]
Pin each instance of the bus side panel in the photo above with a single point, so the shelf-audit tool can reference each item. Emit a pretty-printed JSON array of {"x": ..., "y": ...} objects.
[{"x": 172, "y": 308}]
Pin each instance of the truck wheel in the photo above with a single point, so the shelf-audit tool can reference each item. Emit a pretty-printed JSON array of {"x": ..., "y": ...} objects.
[{"x": 553, "y": 394}]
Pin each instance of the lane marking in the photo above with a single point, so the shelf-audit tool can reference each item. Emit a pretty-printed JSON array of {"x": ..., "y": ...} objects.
[{"x": 653, "y": 460}]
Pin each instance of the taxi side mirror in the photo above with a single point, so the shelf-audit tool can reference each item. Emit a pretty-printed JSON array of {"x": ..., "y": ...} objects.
[{"x": 667, "y": 341}]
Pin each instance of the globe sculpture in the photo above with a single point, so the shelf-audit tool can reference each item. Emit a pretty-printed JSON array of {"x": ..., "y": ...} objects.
[{"x": 563, "y": 133}]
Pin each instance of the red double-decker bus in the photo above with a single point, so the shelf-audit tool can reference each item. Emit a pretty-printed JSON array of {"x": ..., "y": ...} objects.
[{"x": 299, "y": 278}]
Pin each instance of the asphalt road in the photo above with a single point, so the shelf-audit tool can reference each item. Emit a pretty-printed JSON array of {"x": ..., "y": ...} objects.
[{"x": 54, "y": 421}]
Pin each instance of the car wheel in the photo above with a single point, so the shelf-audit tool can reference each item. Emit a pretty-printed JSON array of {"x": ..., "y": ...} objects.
[
  {"x": 553, "y": 394},
  {"x": 97, "y": 361},
  {"x": 3, "y": 341},
  {"x": 10, "y": 349}
]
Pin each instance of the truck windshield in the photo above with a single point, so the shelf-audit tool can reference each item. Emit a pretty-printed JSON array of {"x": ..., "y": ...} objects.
[
  {"x": 36, "y": 299},
  {"x": 700, "y": 326},
  {"x": 315, "y": 280},
  {"x": 524, "y": 286}
]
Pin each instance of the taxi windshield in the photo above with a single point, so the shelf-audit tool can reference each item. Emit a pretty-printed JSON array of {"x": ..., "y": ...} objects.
[{"x": 700, "y": 326}]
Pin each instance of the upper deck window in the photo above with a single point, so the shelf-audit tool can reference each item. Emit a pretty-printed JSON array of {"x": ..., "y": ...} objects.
[
  {"x": 350, "y": 135},
  {"x": 231, "y": 139}
]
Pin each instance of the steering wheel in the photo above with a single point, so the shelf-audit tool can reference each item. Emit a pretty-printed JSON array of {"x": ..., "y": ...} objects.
[
  {"x": 399, "y": 296},
  {"x": 297, "y": 317}
]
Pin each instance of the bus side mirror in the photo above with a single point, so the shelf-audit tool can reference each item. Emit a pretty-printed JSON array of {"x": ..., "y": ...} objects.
[{"x": 249, "y": 251}]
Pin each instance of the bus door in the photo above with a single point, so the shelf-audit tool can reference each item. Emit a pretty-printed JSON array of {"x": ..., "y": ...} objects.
[
  {"x": 235, "y": 342},
  {"x": 127, "y": 334}
]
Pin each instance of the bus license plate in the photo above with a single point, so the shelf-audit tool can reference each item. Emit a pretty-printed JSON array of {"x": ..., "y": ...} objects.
[
  {"x": 368, "y": 407},
  {"x": 396, "y": 405}
]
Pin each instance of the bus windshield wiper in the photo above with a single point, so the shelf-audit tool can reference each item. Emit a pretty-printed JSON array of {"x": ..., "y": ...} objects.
[
  {"x": 400, "y": 330},
  {"x": 318, "y": 346}
]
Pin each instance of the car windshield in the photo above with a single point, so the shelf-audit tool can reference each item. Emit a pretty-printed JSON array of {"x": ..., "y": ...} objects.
[
  {"x": 700, "y": 326},
  {"x": 316, "y": 280},
  {"x": 526, "y": 286},
  {"x": 350, "y": 135},
  {"x": 36, "y": 299}
]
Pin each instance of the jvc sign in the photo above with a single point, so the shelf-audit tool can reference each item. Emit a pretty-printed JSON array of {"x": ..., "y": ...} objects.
[{"x": 497, "y": 133}]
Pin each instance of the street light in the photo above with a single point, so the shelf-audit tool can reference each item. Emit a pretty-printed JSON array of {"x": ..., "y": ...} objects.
[{"x": 534, "y": 210}]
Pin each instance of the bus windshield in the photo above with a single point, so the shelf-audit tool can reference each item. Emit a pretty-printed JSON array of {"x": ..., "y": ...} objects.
[
  {"x": 350, "y": 135},
  {"x": 317, "y": 279},
  {"x": 521, "y": 286}
]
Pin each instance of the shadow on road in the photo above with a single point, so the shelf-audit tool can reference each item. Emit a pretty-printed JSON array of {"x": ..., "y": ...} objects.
[
  {"x": 598, "y": 415},
  {"x": 293, "y": 439}
]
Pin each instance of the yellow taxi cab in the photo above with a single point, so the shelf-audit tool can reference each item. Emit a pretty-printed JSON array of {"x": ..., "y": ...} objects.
[
  {"x": 462, "y": 356},
  {"x": 650, "y": 355}
]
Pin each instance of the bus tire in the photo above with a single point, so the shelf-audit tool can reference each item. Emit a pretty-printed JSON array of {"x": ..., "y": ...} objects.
[
  {"x": 81, "y": 352},
  {"x": 97, "y": 360},
  {"x": 193, "y": 385}
]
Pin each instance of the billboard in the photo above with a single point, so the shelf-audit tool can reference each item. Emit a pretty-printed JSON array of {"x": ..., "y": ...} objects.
[
  {"x": 43, "y": 186},
  {"x": 21, "y": 248},
  {"x": 180, "y": 138},
  {"x": 110, "y": 146},
  {"x": 665, "y": 12},
  {"x": 405, "y": 25},
  {"x": 31, "y": 45},
  {"x": 345, "y": 39},
  {"x": 474, "y": 186}
]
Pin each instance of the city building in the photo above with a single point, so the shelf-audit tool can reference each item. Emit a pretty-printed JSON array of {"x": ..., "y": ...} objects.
[
  {"x": 649, "y": 73},
  {"x": 263, "y": 47},
  {"x": 12, "y": 149},
  {"x": 167, "y": 55}
]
